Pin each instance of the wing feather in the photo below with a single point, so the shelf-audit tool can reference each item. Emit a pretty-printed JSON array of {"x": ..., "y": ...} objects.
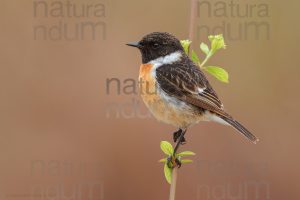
[
  {"x": 186, "y": 82},
  {"x": 189, "y": 85}
]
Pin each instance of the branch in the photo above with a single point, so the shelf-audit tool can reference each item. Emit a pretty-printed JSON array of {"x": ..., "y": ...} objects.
[
  {"x": 173, "y": 184},
  {"x": 192, "y": 19},
  {"x": 191, "y": 35}
]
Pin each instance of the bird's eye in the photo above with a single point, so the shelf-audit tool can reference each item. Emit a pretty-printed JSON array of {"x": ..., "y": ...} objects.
[{"x": 155, "y": 45}]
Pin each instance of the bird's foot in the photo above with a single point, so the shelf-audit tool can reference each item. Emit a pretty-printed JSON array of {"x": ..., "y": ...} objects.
[
  {"x": 176, "y": 136},
  {"x": 173, "y": 162}
]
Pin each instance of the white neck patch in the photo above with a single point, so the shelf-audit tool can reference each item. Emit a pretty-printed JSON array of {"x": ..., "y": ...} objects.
[
  {"x": 165, "y": 60},
  {"x": 168, "y": 59}
]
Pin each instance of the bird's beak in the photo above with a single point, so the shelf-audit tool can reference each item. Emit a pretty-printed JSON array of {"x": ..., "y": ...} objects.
[{"x": 134, "y": 44}]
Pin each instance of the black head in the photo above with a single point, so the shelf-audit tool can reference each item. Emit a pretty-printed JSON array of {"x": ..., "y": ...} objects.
[{"x": 157, "y": 44}]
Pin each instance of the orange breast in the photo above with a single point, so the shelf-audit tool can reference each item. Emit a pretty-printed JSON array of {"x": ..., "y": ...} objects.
[
  {"x": 147, "y": 82},
  {"x": 163, "y": 109}
]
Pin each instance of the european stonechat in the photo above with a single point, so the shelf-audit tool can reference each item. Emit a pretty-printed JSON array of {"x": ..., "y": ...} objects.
[{"x": 176, "y": 91}]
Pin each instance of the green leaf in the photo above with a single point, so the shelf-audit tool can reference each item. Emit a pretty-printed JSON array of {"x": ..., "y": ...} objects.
[
  {"x": 186, "y": 153},
  {"x": 217, "y": 42},
  {"x": 166, "y": 147},
  {"x": 168, "y": 173},
  {"x": 195, "y": 58},
  {"x": 164, "y": 160},
  {"x": 186, "y": 161},
  {"x": 186, "y": 45},
  {"x": 218, "y": 72},
  {"x": 204, "y": 48}
]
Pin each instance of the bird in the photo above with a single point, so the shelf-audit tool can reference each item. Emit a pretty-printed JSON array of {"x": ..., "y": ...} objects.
[{"x": 175, "y": 89}]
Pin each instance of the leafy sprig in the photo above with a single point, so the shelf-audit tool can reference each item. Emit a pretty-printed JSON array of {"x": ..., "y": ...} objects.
[
  {"x": 169, "y": 161},
  {"x": 216, "y": 43}
]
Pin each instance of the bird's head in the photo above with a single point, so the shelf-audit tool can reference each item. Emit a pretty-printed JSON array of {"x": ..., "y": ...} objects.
[{"x": 157, "y": 44}]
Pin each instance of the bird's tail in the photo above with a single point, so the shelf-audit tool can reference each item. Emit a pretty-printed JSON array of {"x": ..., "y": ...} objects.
[{"x": 235, "y": 124}]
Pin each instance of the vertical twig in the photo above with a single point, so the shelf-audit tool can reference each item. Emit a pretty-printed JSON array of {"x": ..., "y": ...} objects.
[
  {"x": 191, "y": 36},
  {"x": 192, "y": 19},
  {"x": 173, "y": 184}
]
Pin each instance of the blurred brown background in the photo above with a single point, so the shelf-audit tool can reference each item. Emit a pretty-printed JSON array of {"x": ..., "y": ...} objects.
[{"x": 63, "y": 136}]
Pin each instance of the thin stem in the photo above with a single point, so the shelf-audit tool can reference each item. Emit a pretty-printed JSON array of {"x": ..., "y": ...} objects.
[
  {"x": 191, "y": 36},
  {"x": 173, "y": 184},
  {"x": 205, "y": 60},
  {"x": 192, "y": 19}
]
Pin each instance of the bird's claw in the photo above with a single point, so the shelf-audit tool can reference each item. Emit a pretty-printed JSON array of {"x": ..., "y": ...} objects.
[
  {"x": 173, "y": 162},
  {"x": 176, "y": 136}
]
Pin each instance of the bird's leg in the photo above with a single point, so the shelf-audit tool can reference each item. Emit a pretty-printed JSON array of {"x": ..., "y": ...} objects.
[
  {"x": 181, "y": 140},
  {"x": 176, "y": 136}
]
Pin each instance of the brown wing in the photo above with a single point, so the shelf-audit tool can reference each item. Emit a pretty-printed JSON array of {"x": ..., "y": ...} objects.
[{"x": 187, "y": 83}]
